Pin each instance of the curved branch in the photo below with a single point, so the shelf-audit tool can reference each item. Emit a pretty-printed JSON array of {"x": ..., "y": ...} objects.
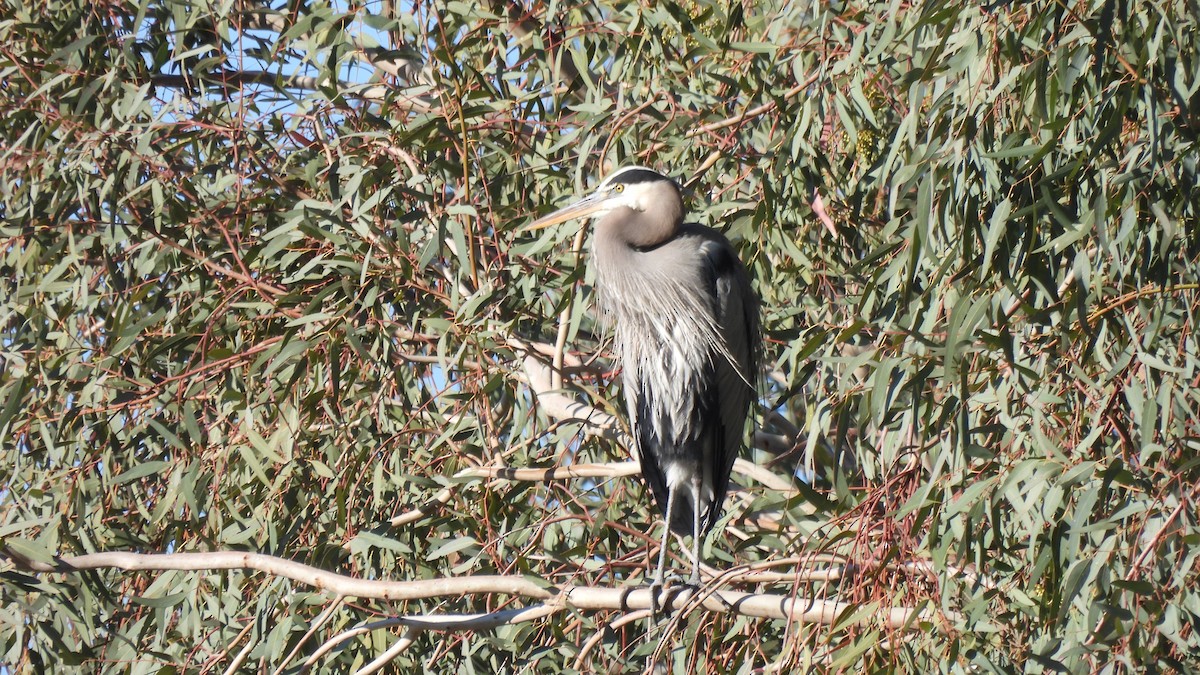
[
  {"x": 580, "y": 659},
  {"x": 761, "y": 605},
  {"x": 337, "y": 584},
  {"x": 564, "y": 408}
]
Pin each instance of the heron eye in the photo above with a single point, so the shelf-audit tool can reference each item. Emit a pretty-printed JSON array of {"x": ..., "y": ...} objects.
[{"x": 620, "y": 188}]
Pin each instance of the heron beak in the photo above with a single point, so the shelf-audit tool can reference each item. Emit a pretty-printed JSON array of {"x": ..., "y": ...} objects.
[{"x": 584, "y": 207}]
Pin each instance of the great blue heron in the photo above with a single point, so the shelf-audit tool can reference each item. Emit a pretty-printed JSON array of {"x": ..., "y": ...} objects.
[{"x": 688, "y": 339}]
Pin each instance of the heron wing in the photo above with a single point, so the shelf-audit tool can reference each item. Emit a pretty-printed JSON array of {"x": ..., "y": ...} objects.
[{"x": 736, "y": 314}]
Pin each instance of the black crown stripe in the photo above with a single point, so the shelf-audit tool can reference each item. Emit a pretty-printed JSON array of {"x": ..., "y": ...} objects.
[{"x": 637, "y": 176}]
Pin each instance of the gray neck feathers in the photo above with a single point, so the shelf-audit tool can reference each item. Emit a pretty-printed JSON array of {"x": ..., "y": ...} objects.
[{"x": 665, "y": 332}]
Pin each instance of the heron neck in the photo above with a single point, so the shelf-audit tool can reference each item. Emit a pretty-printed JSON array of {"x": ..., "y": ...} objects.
[
  {"x": 637, "y": 229},
  {"x": 627, "y": 253}
]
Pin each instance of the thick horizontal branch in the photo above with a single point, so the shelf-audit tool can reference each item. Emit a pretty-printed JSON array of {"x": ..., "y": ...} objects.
[
  {"x": 804, "y": 610},
  {"x": 614, "y": 470},
  {"x": 545, "y": 475},
  {"x": 606, "y": 470},
  {"x": 337, "y": 584}
]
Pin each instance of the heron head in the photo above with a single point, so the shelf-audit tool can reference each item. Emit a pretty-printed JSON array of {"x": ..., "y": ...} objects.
[{"x": 632, "y": 187}]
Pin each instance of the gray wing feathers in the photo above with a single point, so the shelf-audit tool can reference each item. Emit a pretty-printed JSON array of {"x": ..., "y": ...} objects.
[{"x": 736, "y": 315}]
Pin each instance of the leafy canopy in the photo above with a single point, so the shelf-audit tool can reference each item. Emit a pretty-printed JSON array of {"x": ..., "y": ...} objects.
[{"x": 263, "y": 290}]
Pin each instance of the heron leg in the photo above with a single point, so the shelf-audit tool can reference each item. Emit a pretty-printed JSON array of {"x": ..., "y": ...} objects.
[
  {"x": 657, "y": 585},
  {"x": 666, "y": 537},
  {"x": 696, "y": 486}
]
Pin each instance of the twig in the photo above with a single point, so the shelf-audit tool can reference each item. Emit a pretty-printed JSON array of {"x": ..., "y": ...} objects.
[
  {"x": 1166, "y": 527},
  {"x": 1069, "y": 279},
  {"x": 333, "y": 642},
  {"x": 238, "y": 660},
  {"x": 392, "y": 652},
  {"x": 320, "y": 621},
  {"x": 241, "y": 655},
  {"x": 1136, "y": 295},
  {"x": 564, "y": 320},
  {"x": 595, "y": 639},
  {"x": 705, "y": 129}
]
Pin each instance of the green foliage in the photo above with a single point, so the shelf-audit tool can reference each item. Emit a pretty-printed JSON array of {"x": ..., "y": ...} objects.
[{"x": 262, "y": 285}]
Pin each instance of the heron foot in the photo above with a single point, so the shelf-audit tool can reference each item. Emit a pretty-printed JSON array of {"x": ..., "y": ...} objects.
[
  {"x": 664, "y": 590},
  {"x": 656, "y": 590}
]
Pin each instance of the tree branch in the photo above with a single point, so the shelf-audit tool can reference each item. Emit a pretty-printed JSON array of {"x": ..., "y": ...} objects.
[
  {"x": 761, "y": 605},
  {"x": 603, "y": 470},
  {"x": 400, "y": 61},
  {"x": 522, "y": 24},
  {"x": 233, "y": 79},
  {"x": 564, "y": 408}
]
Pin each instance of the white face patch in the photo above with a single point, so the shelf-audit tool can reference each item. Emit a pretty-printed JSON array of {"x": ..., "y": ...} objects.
[{"x": 631, "y": 195}]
